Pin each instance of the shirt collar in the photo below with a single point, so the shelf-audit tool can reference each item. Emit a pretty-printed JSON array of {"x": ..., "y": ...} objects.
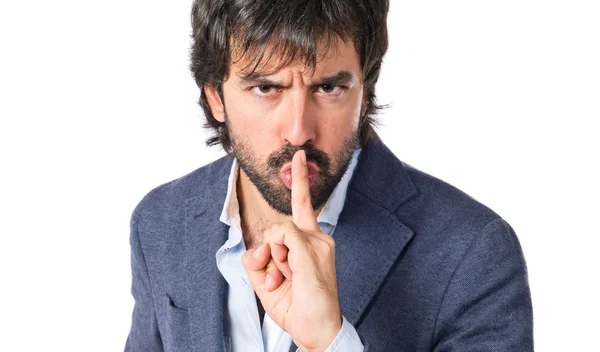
[
  {"x": 230, "y": 215},
  {"x": 231, "y": 208},
  {"x": 332, "y": 209}
]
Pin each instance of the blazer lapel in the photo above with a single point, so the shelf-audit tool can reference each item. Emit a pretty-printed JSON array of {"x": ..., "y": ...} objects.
[
  {"x": 369, "y": 237},
  {"x": 368, "y": 243},
  {"x": 204, "y": 235}
]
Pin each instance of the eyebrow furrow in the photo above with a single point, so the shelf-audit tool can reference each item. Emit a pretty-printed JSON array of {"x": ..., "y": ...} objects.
[{"x": 340, "y": 78}]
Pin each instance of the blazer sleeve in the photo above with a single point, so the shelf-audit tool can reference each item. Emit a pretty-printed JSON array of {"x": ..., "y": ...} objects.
[
  {"x": 144, "y": 335},
  {"x": 487, "y": 303}
]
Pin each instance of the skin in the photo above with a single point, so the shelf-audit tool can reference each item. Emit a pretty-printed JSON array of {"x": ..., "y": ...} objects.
[{"x": 290, "y": 262}]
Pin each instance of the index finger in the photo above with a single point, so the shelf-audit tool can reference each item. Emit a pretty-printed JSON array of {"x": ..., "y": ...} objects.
[{"x": 303, "y": 213}]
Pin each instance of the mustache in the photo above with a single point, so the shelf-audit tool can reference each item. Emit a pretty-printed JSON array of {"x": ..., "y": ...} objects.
[{"x": 277, "y": 159}]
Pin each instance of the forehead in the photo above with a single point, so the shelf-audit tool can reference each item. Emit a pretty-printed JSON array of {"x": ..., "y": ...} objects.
[{"x": 334, "y": 54}]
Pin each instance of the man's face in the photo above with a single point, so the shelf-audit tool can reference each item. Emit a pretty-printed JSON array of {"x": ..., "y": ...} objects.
[{"x": 271, "y": 116}]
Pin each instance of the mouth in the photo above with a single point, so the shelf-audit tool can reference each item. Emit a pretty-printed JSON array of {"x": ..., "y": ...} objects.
[{"x": 286, "y": 173}]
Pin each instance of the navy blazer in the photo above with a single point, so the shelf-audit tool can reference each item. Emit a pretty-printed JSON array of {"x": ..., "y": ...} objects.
[{"x": 421, "y": 266}]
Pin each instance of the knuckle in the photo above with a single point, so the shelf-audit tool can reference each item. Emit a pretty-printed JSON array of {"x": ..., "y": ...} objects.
[
  {"x": 267, "y": 234},
  {"x": 327, "y": 240},
  {"x": 327, "y": 243},
  {"x": 289, "y": 227},
  {"x": 246, "y": 259},
  {"x": 330, "y": 241}
]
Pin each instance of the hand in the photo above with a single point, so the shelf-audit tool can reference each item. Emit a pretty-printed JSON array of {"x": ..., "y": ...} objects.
[{"x": 293, "y": 274}]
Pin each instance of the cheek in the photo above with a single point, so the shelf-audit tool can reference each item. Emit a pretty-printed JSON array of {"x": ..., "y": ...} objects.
[
  {"x": 339, "y": 125},
  {"x": 254, "y": 129}
]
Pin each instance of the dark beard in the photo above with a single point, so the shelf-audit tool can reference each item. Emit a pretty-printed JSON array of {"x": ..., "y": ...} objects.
[{"x": 266, "y": 178}]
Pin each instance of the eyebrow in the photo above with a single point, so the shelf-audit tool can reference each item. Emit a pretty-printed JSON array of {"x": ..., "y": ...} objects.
[
  {"x": 260, "y": 79},
  {"x": 341, "y": 78}
]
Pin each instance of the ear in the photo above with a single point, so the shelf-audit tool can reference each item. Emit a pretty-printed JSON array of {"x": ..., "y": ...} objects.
[
  {"x": 365, "y": 101},
  {"x": 215, "y": 103}
]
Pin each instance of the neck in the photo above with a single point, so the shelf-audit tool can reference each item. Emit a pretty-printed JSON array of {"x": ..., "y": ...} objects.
[{"x": 255, "y": 213}]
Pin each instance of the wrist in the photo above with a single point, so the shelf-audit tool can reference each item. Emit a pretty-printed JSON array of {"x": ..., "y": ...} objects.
[{"x": 324, "y": 340}]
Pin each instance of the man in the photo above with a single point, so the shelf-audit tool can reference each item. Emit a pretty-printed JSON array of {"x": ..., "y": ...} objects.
[{"x": 312, "y": 235}]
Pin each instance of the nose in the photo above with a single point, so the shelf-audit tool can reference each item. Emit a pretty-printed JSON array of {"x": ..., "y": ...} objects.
[{"x": 298, "y": 122}]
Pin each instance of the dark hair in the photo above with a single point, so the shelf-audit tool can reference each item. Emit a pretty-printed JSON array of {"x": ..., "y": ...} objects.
[{"x": 290, "y": 29}]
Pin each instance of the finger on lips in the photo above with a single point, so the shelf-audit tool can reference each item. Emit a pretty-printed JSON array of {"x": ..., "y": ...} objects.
[
  {"x": 268, "y": 264},
  {"x": 303, "y": 213}
]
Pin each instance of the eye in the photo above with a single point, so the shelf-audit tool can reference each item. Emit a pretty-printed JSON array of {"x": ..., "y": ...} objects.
[
  {"x": 264, "y": 90},
  {"x": 327, "y": 88},
  {"x": 330, "y": 89}
]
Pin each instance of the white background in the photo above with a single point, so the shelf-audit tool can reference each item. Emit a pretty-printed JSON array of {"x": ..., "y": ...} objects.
[{"x": 500, "y": 98}]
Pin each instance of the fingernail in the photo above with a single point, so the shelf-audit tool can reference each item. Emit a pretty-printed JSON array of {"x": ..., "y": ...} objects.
[
  {"x": 259, "y": 251},
  {"x": 303, "y": 156},
  {"x": 269, "y": 282}
]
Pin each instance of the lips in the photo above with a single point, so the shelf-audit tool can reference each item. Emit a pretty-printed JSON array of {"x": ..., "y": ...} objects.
[{"x": 286, "y": 173}]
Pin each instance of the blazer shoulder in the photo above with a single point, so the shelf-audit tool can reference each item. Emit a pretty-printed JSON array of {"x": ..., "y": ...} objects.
[
  {"x": 417, "y": 198},
  {"x": 446, "y": 203},
  {"x": 448, "y": 220},
  {"x": 202, "y": 182}
]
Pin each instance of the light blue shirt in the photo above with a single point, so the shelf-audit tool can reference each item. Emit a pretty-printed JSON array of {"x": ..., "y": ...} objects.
[{"x": 242, "y": 324}]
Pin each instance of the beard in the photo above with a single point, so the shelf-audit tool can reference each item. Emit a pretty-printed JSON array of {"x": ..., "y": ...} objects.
[{"x": 265, "y": 175}]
